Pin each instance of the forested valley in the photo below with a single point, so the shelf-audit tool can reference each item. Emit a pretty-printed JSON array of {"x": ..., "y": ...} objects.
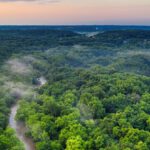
[{"x": 96, "y": 91}]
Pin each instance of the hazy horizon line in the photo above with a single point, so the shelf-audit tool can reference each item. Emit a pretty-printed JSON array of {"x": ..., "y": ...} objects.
[{"x": 74, "y": 25}]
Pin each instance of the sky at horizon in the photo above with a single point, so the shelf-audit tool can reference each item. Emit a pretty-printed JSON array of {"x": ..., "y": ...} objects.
[{"x": 74, "y": 12}]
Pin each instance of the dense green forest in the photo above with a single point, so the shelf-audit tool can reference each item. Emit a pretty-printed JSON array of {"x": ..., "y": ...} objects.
[{"x": 97, "y": 94}]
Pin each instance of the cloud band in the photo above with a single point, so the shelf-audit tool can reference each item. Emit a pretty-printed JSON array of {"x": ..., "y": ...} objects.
[{"x": 51, "y": 1}]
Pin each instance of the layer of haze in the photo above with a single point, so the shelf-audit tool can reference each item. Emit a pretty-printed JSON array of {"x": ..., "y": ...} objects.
[{"x": 52, "y": 12}]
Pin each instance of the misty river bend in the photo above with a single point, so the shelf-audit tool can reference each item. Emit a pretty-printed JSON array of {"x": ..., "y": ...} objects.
[{"x": 20, "y": 127}]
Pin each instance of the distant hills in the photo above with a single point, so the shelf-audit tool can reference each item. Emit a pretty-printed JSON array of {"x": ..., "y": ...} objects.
[{"x": 77, "y": 28}]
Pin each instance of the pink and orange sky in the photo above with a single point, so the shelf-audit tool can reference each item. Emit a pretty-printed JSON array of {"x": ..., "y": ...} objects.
[{"x": 53, "y": 12}]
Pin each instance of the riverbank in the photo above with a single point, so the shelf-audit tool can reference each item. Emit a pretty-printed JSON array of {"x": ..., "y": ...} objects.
[{"x": 19, "y": 127}]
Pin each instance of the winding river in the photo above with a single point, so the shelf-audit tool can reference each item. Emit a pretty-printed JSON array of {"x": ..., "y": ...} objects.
[{"x": 20, "y": 127}]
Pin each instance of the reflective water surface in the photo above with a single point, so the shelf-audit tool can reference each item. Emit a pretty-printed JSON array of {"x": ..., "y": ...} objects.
[{"x": 20, "y": 129}]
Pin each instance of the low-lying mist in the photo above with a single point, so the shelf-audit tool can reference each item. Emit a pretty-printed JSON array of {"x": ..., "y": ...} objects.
[{"x": 17, "y": 77}]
